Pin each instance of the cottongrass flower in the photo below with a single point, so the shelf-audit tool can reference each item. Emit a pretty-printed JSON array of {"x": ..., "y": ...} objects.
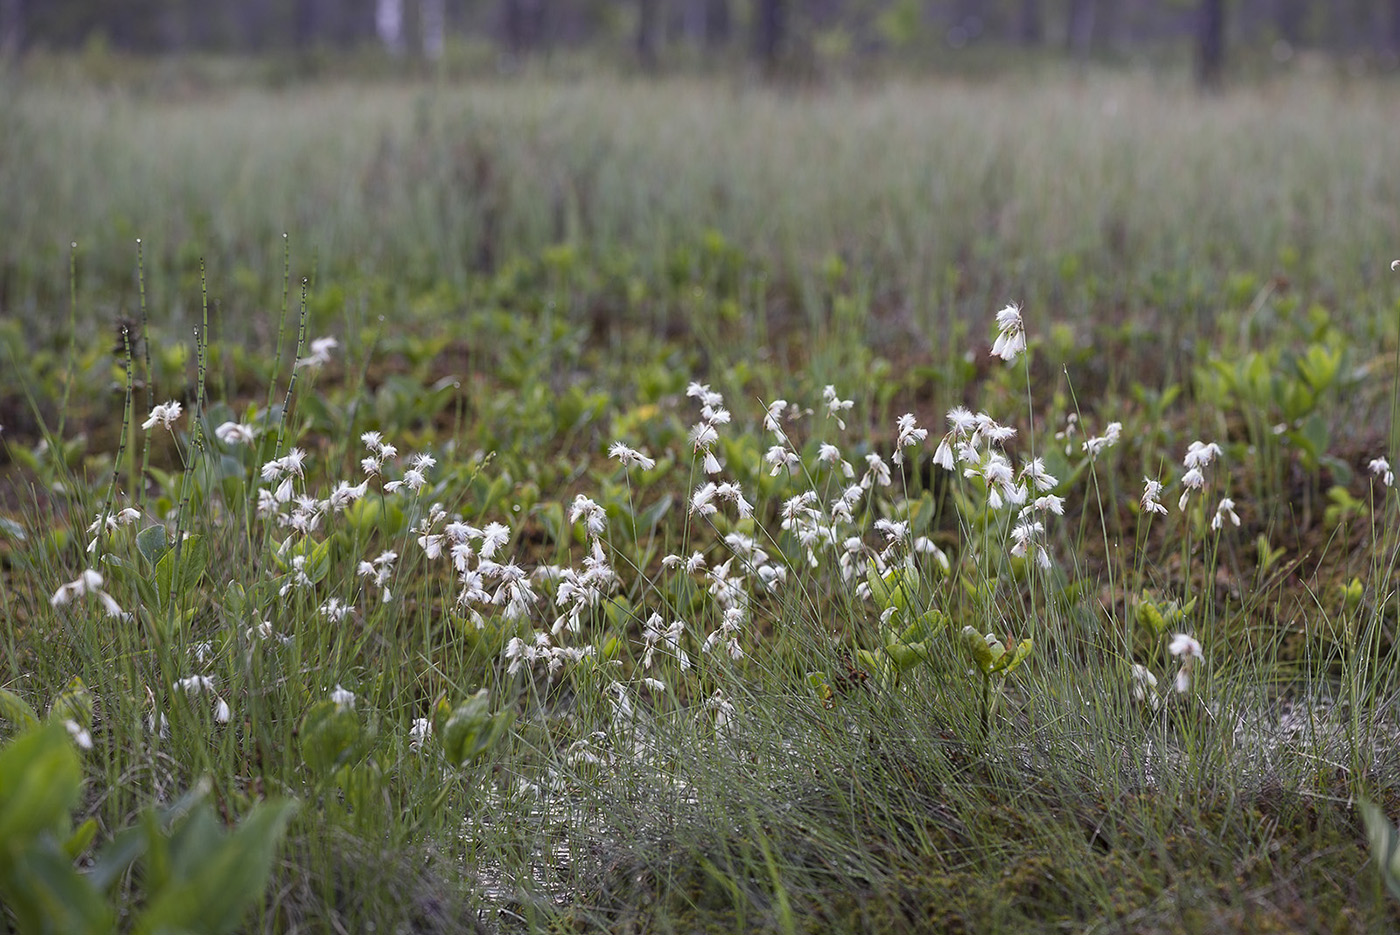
[
  {"x": 110, "y": 524},
  {"x": 1188, "y": 650},
  {"x": 290, "y": 464},
  {"x": 381, "y": 570},
  {"x": 771, "y": 419},
  {"x": 1011, "y": 337},
  {"x": 1050, "y": 503},
  {"x": 320, "y": 352},
  {"x": 1095, "y": 445},
  {"x": 704, "y": 433},
  {"x": 1034, "y": 470},
  {"x": 1026, "y": 535},
  {"x": 835, "y": 405},
  {"x": 780, "y": 457},
  {"x": 416, "y": 477},
  {"x": 1199, "y": 456},
  {"x": 702, "y": 501},
  {"x": 1152, "y": 496},
  {"x": 595, "y": 518},
  {"x": 297, "y": 577},
  {"x": 200, "y": 684},
  {"x": 334, "y": 609},
  {"x": 723, "y": 712},
  {"x": 79, "y": 733},
  {"x": 343, "y": 697},
  {"x": 830, "y": 454},
  {"x": 909, "y": 435},
  {"x": 163, "y": 415},
  {"x": 89, "y": 582},
  {"x": 1381, "y": 468},
  {"x": 380, "y": 451},
  {"x": 630, "y": 457},
  {"x": 419, "y": 733},
  {"x": 236, "y": 433},
  {"x": 1395, "y": 265},
  {"x": 344, "y": 494},
  {"x": 1226, "y": 510},
  {"x": 1145, "y": 686},
  {"x": 877, "y": 472},
  {"x": 493, "y": 538},
  {"x": 658, "y": 636}
]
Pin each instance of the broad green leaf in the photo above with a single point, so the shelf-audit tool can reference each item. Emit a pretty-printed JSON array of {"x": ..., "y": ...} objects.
[
  {"x": 651, "y": 517},
  {"x": 16, "y": 710},
  {"x": 329, "y": 734},
  {"x": 46, "y": 894},
  {"x": 152, "y": 543},
  {"x": 985, "y": 652},
  {"x": 74, "y": 703},
  {"x": 893, "y": 589},
  {"x": 907, "y": 655},
  {"x": 1010, "y": 660},
  {"x": 40, "y": 781},
  {"x": 192, "y": 557},
  {"x": 212, "y": 895},
  {"x": 472, "y": 729}
]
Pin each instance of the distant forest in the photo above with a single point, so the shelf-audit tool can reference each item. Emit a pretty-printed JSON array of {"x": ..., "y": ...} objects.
[{"x": 772, "y": 32}]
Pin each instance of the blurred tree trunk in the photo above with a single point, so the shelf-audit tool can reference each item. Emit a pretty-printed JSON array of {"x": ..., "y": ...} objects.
[
  {"x": 1394, "y": 25},
  {"x": 1031, "y": 24},
  {"x": 307, "y": 23},
  {"x": 648, "y": 19},
  {"x": 718, "y": 23},
  {"x": 432, "y": 23},
  {"x": 524, "y": 24},
  {"x": 1080, "y": 36},
  {"x": 388, "y": 25},
  {"x": 11, "y": 27},
  {"x": 769, "y": 28},
  {"x": 1210, "y": 44},
  {"x": 253, "y": 24},
  {"x": 1288, "y": 17}
]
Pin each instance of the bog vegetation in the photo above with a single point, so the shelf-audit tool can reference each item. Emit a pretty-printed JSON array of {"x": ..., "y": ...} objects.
[{"x": 598, "y": 505}]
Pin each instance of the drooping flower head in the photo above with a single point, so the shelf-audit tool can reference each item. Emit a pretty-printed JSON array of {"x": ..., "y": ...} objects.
[
  {"x": 163, "y": 415},
  {"x": 1011, "y": 337},
  {"x": 1188, "y": 650},
  {"x": 1381, "y": 468}
]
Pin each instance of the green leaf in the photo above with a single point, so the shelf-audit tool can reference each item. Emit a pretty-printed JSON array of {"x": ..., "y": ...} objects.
[
  {"x": 81, "y": 839},
  {"x": 152, "y": 543},
  {"x": 16, "y": 710},
  {"x": 651, "y": 517},
  {"x": 74, "y": 703},
  {"x": 893, "y": 589},
  {"x": 1385, "y": 845},
  {"x": 46, "y": 894},
  {"x": 329, "y": 733},
  {"x": 907, "y": 655},
  {"x": 472, "y": 730},
  {"x": 193, "y": 558},
  {"x": 40, "y": 781},
  {"x": 985, "y": 650},
  {"x": 1009, "y": 661},
  {"x": 1319, "y": 366},
  {"x": 211, "y": 895}
]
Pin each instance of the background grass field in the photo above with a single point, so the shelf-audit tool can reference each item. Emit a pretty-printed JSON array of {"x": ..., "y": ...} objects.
[{"x": 521, "y": 272}]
